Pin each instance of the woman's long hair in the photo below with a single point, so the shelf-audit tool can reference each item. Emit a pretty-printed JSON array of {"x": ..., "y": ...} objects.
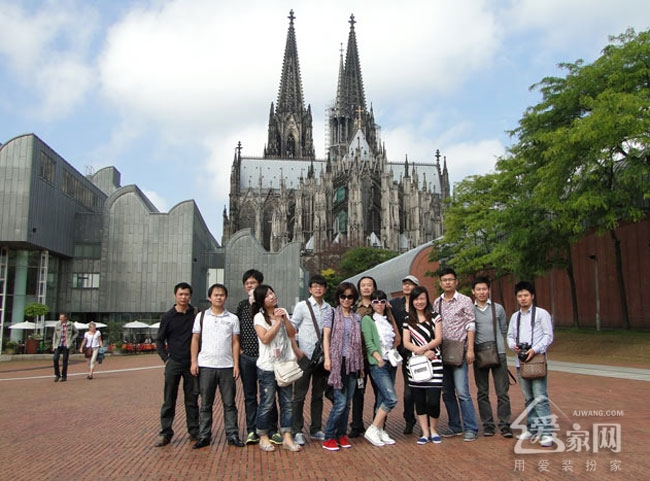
[
  {"x": 381, "y": 296},
  {"x": 259, "y": 295},
  {"x": 412, "y": 318}
]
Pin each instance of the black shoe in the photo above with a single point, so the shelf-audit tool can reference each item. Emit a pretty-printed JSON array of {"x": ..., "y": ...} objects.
[
  {"x": 64, "y": 379},
  {"x": 355, "y": 433},
  {"x": 57, "y": 379},
  {"x": 201, "y": 443},
  {"x": 488, "y": 432},
  {"x": 409, "y": 427},
  {"x": 162, "y": 441},
  {"x": 235, "y": 441},
  {"x": 506, "y": 432}
]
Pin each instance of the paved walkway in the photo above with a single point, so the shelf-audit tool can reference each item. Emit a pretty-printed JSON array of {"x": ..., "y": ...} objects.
[{"x": 104, "y": 429}]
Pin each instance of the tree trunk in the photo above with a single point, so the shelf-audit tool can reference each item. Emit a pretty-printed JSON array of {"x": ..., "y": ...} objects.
[
  {"x": 621, "y": 280},
  {"x": 574, "y": 290}
]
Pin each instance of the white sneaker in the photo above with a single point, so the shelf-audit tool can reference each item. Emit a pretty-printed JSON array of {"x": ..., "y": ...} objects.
[
  {"x": 299, "y": 438},
  {"x": 372, "y": 435},
  {"x": 385, "y": 438},
  {"x": 546, "y": 441},
  {"x": 526, "y": 435}
]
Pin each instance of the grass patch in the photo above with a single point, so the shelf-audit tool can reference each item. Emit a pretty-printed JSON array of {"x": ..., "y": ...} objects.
[{"x": 611, "y": 347}]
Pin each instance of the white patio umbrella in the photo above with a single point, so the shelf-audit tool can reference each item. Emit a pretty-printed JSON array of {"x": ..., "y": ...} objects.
[
  {"x": 80, "y": 325},
  {"x": 155, "y": 325},
  {"x": 136, "y": 325},
  {"x": 99, "y": 325},
  {"x": 25, "y": 325}
]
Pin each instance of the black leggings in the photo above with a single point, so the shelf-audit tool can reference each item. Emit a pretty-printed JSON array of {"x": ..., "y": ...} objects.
[{"x": 427, "y": 401}]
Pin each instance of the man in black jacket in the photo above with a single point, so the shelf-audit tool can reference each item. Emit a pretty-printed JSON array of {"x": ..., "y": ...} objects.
[{"x": 173, "y": 346}]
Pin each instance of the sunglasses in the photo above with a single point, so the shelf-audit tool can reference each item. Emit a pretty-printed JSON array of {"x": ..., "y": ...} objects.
[
  {"x": 349, "y": 297},
  {"x": 379, "y": 301}
]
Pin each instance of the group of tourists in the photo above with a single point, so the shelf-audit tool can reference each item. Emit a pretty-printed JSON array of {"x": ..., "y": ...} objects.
[{"x": 337, "y": 350}]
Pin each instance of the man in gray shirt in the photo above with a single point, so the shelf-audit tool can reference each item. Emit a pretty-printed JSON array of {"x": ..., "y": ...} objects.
[{"x": 484, "y": 333}]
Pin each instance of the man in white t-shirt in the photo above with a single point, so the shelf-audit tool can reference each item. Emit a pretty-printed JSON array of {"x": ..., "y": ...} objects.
[{"x": 215, "y": 359}]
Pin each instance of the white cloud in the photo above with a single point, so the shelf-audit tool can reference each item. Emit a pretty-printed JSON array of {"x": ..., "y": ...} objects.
[{"x": 47, "y": 51}]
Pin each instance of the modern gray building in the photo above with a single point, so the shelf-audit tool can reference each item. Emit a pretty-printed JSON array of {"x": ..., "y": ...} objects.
[{"x": 90, "y": 247}]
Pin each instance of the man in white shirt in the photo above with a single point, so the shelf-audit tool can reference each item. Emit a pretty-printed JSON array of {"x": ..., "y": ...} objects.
[
  {"x": 308, "y": 337},
  {"x": 215, "y": 359},
  {"x": 533, "y": 326}
]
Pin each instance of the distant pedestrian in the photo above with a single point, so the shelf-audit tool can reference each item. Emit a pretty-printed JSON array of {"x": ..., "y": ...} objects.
[
  {"x": 93, "y": 341},
  {"x": 173, "y": 346},
  {"x": 65, "y": 333}
]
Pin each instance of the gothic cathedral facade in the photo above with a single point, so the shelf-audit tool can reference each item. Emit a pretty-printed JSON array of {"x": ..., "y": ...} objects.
[{"x": 355, "y": 196}]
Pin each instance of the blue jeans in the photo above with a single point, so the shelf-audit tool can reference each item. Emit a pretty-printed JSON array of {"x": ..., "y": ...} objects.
[
  {"x": 537, "y": 404},
  {"x": 209, "y": 379},
  {"x": 384, "y": 378},
  {"x": 268, "y": 389},
  {"x": 337, "y": 422},
  {"x": 456, "y": 391}
]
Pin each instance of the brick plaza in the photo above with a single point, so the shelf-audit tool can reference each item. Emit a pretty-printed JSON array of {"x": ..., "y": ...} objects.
[{"x": 104, "y": 429}]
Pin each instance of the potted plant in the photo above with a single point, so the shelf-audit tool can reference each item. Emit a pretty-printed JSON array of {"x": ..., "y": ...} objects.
[
  {"x": 32, "y": 311},
  {"x": 10, "y": 347}
]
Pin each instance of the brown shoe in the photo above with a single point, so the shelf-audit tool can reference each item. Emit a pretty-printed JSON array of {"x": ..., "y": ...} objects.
[{"x": 161, "y": 441}]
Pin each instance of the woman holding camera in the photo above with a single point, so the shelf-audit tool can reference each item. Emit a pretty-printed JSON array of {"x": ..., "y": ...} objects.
[
  {"x": 344, "y": 361},
  {"x": 423, "y": 336},
  {"x": 380, "y": 337}
]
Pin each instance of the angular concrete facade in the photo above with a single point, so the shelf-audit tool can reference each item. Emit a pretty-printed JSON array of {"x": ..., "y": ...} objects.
[{"x": 87, "y": 245}]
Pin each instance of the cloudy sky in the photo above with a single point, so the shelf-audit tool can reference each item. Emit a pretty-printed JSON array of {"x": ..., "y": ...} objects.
[{"x": 164, "y": 89}]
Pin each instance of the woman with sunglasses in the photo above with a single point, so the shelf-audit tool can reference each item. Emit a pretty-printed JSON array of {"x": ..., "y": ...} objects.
[
  {"x": 275, "y": 332},
  {"x": 344, "y": 361},
  {"x": 422, "y": 336},
  {"x": 379, "y": 337}
]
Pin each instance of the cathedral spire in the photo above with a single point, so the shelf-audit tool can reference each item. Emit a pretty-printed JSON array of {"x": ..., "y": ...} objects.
[
  {"x": 356, "y": 97},
  {"x": 290, "y": 124},
  {"x": 290, "y": 95},
  {"x": 340, "y": 89}
]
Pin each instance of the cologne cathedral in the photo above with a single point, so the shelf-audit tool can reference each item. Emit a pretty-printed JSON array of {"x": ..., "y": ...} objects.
[{"x": 354, "y": 196}]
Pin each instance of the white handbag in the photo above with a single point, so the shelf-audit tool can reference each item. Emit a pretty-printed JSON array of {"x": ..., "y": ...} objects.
[
  {"x": 420, "y": 368},
  {"x": 287, "y": 372}
]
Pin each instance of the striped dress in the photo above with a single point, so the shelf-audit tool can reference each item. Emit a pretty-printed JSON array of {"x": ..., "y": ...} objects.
[{"x": 422, "y": 334}]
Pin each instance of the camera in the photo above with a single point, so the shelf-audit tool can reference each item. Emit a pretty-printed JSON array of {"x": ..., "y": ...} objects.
[{"x": 523, "y": 353}]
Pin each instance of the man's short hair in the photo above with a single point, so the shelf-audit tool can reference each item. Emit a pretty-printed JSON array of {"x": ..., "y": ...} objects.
[
  {"x": 317, "y": 279},
  {"x": 447, "y": 270},
  {"x": 218, "y": 286},
  {"x": 255, "y": 274},
  {"x": 480, "y": 280},
  {"x": 182, "y": 285},
  {"x": 524, "y": 286}
]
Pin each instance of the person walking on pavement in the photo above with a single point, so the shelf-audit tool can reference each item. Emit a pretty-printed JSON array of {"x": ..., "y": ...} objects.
[{"x": 65, "y": 333}]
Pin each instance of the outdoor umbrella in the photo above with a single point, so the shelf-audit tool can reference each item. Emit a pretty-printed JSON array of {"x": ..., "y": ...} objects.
[
  {"x": 23, "y": 325},
  {"x": 80, "y": 325},
  {"x": 136, "y": 325}
]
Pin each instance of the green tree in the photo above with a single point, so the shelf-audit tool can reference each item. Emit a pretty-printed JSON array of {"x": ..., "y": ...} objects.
[
  {"x": 359, "y": 259},
  {"x": 589, "y": 138},
  {"x": 36, "y": 309}
]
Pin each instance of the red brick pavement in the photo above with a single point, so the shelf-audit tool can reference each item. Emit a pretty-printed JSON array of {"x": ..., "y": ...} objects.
[{"x": 104, "y": 429}]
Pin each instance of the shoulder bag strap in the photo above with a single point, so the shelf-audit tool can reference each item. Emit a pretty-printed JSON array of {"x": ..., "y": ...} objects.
[
  {"x": 532, "y": 323},
  {"x": 201, "y": 334},
  {"x": 494, "y": 319},
  {"x": 313, "y": 318}
]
